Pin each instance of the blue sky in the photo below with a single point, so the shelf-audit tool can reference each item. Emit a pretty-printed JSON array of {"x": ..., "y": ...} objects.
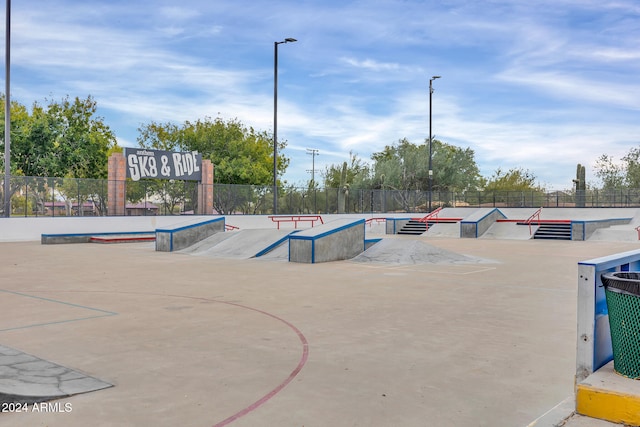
[{"x": 540, "y": 85}]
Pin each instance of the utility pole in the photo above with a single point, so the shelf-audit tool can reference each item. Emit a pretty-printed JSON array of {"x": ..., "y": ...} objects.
[{"x": 313, "y": 152}]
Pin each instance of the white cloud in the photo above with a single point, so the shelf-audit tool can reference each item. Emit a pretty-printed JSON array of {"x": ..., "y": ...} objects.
[
  {"x": 372, "y": 65},
  {"x": 541, "y": 86},
  {"x": 176, "y": 13}
]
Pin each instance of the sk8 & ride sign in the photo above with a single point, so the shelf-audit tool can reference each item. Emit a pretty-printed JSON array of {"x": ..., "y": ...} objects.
[{"x": 144, "y": 163}]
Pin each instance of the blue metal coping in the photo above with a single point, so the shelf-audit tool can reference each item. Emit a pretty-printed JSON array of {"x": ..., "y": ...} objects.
[
  {"x": 326, "y": 233},
  {"x": 483, "y": 217},
  {"x": 185, "y": 227},
  {"x": 111, "y": 233},
  {"x": 275, "y": 245}
]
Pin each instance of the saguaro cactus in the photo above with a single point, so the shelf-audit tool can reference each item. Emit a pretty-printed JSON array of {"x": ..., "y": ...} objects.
[
  {"x": 581, "y": 186},
  {"x": 343, "y": 191}
]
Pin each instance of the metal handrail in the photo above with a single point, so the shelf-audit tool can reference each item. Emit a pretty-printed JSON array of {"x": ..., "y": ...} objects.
[
  {"x": 296, "y": 219},
  {"x": 370, "y": 220},
  {"x": 430, "y": 215},
  {"x": 529, "y": 220}
]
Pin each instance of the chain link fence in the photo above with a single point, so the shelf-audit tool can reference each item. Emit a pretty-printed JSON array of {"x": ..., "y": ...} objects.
[{"x": 50, "y": 197}]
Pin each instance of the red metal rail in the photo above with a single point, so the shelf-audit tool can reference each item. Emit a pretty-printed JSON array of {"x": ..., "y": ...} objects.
[
  {"x": 430, "y": 215},
  {"x": 535, "y": 215},
  {"x": 296, "y": 219},
  {"x": 370, "y": 220}
]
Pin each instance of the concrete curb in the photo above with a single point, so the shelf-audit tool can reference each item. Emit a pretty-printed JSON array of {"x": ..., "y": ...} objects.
[{"x": 609, "y": 396}]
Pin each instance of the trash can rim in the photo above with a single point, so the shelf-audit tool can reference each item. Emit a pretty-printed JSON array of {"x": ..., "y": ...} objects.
[
  {"x": 615, "y": 275},
  {"x": 625, "y": 285}
]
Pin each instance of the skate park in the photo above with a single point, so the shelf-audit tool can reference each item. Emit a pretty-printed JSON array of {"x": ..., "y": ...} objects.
[{"x": 436, "y": 326}]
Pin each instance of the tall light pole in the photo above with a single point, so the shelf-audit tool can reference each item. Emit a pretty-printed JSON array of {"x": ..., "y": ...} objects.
[
  {"x": 275, "y": 121},
  {"x": 7, "y": 116},
  {"x": 430, "y": 139}
]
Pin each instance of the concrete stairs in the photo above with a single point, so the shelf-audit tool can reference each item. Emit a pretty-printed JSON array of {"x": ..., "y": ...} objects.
[
  {"x": 553, "y": 231},
  {"x": 414, "y": 228}
]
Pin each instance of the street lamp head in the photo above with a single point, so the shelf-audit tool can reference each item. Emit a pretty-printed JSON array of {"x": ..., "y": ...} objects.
[
  {"x": 290, "y": 40},
  {"x": 435, "y": 77}
]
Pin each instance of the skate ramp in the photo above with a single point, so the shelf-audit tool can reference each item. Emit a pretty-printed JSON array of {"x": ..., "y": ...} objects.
[
  {"x": 403, "y": 251},
  {"x": 243, "y": 244},
  {"x": 450, "y": 231},
  {"x": 620, "y": 233},
  {"x": 279, "y": 253},
  {"x": 509, "y": 231}
]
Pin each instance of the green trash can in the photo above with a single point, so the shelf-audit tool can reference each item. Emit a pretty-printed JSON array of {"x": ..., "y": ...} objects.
[{"x": 622, "y": 291}]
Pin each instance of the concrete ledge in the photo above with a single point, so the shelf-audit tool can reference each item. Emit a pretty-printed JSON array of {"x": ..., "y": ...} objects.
[
  {"x": 180, "y": 237},
  {"x": 609, "y": 396},
  {"x": 57, "y": 239},
  {"x": 334, "y": 241},
  {"x": 582, "y": 230}
]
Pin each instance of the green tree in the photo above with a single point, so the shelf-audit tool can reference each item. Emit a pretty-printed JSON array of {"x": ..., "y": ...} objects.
[
  {"x": 63, "y": 139},
  {"x": 513, "y": 188},
  {"x": 240, "y": 154},
  {"x": 611, "y": 174},
  {"x": 83, "y": 140},
  {"x": 352, "y": 175},
  {"x": 515, "y": 179},
  {"x": 454, "y": 168},
  {"x": 632, "y": 166},
  {"x": 405, "y": 166},
  {"x": 20, "y": 120},
  {"x": 625, "y": 174}
]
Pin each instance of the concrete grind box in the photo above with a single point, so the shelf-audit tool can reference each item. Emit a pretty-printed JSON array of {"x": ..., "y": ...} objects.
[
  {"x": 180, "y": 237},
  {"x": 337, "y": 240}
]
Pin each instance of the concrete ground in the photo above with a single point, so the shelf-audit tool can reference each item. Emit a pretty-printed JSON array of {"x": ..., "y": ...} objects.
[{"x": 485, "y": 336}]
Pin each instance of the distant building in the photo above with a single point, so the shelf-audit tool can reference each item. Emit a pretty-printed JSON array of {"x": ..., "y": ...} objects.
[
  {"x": 69, "y": 209},
  {"x": 141, "y": 209}
]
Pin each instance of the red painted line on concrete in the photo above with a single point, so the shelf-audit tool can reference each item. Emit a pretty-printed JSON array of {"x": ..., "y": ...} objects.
[
  {"x": 303, "y": 359},
  {"x": 292, "y": 375},
  {"x": 255, "y": 405}
]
